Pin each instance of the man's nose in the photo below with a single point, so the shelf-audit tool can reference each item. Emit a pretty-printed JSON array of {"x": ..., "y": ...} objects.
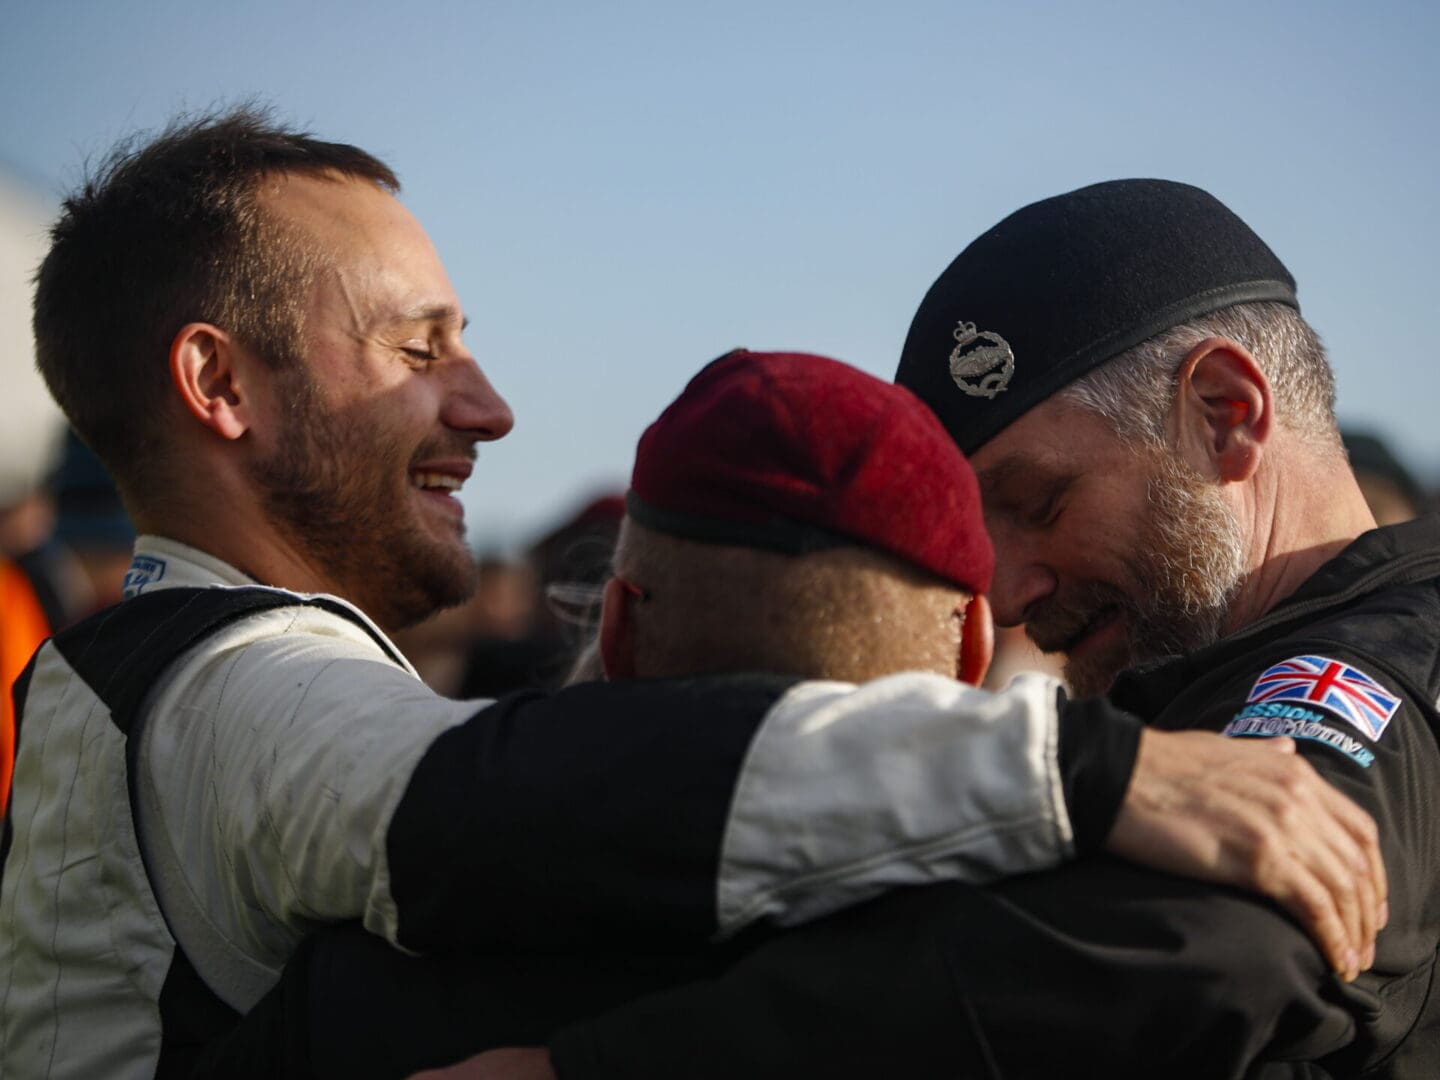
[
  {"x": 472, "y": 405},
  {"x": 1020, "y": 582}
]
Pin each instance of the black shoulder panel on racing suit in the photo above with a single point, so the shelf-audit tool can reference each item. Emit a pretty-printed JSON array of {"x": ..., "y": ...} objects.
[{"x": 120, "y": 653}]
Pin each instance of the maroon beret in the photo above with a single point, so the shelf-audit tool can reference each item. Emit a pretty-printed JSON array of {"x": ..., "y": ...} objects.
[{"x": 797, "y": 453}]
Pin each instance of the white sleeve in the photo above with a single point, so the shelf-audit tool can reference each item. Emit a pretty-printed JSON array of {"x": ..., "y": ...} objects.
[
  {"x": 272, "y": 762},
  {"x": 848, "y": 791}
]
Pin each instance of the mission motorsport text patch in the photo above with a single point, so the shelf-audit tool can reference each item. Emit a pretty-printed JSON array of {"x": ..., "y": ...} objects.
[{"x": 1284, "y": 697}]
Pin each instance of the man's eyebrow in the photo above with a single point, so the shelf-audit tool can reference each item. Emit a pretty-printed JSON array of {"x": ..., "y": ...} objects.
[
  {"x": 433, "y": 313},
  {"x": 1020, "y": 474},
  {"x": 1003, "y": 473}
]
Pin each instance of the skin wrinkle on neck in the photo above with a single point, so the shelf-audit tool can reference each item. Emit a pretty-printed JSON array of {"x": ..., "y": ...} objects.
[{"x": 1295, "y": 499}]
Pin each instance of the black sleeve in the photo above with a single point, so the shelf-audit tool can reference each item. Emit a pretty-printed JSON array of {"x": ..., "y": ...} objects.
[
  {"x": 1098, "y": 746},
  {"x": 563, "y": 820},
  {"x": 1097, "y": 969}
]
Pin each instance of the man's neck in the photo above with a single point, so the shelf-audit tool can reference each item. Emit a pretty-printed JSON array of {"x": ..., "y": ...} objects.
[
  {"x": 231, "y": 526},
  {"x": 1302, "y": 510}
]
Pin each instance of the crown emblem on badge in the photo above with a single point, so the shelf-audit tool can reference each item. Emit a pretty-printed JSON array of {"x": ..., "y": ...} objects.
[{"x": 981, "y": 362}]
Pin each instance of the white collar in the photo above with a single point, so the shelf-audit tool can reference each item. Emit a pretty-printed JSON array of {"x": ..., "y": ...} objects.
[{"x": 162, "y": 563}]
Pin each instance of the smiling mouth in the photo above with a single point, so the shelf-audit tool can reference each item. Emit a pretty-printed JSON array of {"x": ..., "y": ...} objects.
[
  {"x": 1100, "y": 621},
  {"x": 441, "y": 483}
]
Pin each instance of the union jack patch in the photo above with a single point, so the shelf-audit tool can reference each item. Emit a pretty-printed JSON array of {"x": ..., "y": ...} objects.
[{"x": 1317, "y": 680}]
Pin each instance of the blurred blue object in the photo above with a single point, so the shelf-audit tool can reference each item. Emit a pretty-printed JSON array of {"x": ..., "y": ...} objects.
[{"x": 89, "y": 513}]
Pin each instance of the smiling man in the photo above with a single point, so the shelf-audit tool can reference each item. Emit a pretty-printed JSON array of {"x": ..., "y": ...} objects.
[{"x": 1168, "y": 494}]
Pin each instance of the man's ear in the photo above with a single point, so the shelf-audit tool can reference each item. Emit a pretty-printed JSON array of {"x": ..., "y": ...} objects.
[
  {"x": 977, "y": 642},
  {"x": 208, "y": 371},
  {"x": 617, "y": 630},
  {"x": 1222, "y": 416}
]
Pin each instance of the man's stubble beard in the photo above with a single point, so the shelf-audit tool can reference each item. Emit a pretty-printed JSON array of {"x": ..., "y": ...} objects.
[
  {"x": 331, "y": 488},
  {"x": 1188, "y": 566}
]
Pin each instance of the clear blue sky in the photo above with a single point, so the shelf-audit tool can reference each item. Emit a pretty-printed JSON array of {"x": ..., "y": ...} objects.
[{"x": 624, "y": 190}]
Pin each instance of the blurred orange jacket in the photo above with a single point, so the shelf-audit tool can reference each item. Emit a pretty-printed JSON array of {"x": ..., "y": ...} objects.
[{"x": 23, "y": 627}]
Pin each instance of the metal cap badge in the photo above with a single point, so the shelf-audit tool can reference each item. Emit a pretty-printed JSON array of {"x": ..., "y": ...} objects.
[{"x": 981, "y": 363}]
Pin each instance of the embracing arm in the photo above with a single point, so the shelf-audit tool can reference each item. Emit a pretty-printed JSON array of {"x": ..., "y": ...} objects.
[
  {"x": 687, "y": 809},
  {"x": 682, "y": 810}
]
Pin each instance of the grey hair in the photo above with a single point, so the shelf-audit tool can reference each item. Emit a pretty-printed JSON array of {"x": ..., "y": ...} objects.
[{"x": 1134, "y": 391}]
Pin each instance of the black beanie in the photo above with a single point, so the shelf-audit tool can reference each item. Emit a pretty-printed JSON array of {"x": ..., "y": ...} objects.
[{"x": 1064, "y": 284}]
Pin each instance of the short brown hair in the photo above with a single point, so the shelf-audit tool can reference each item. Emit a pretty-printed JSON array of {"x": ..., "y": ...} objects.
[{"x": 166, "y": 232}]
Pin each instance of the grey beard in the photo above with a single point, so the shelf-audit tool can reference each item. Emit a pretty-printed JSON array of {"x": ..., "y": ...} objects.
[
  {"x": 1188, "y": 565},
  {"x": 1192, "y": 566}
]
